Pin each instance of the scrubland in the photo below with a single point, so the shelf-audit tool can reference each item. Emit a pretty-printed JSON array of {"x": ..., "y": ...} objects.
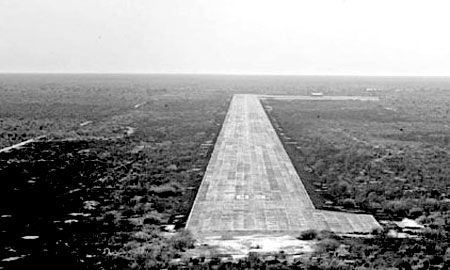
[{"x": 123, "y": 156}]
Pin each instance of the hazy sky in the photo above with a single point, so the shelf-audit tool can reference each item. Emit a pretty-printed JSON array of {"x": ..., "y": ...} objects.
[{"x": 376, "y": 37}]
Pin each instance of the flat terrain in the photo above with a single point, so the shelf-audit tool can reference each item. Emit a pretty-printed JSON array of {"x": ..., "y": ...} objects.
[
  {"x": 387, "y": 158},
  {"x": 93, "y": 195},
  {"x": 252, "y": 187}
]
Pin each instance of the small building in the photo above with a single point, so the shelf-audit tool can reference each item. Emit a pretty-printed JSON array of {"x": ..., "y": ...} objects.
[{"x": 317, "y": 94}]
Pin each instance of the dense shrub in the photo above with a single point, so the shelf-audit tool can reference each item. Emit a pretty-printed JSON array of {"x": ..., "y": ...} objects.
[
  {"x": 349, "y": 203},
  {"x": 415, "y": 212},
  {"x": 399, "y": 208},
  {"x": 182, "y": 240},
  {"x": 327, "y": 244},
  {"x": 324, "y": 234},
  {"x": 308, "y": 235}
]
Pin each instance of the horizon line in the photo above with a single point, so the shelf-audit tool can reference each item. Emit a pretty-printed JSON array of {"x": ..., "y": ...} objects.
[{"x": 218, "y": 74}]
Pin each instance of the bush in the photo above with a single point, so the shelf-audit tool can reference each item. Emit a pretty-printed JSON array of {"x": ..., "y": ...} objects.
[
  {"x": 415, "y": 212},
  {"x": 340, "y": 188},
  {"x": 152, "y": 218},
  {"x": 327, "y": 244},
  {"x": 308, "y": 235},
  {"x": 324, "y": 234},
  {"x": 398, "y": 208},
  {"x": 182, "y": 240},
  {"x": 166, "y": 190},
  {"x": 431, "y": 204},
  {"x": 349, "y": 203}
]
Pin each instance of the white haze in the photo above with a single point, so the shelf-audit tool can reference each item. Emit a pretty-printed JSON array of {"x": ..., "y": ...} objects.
[{"x": 354, "y": 37}]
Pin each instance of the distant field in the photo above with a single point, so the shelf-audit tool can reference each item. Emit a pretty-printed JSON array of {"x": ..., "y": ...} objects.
[
  {"x": 384, "y": 157},
  {"x": 55, "y": 105}
]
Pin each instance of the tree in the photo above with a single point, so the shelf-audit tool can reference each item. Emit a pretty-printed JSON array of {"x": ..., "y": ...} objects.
[{"x": 349, "y": 203}]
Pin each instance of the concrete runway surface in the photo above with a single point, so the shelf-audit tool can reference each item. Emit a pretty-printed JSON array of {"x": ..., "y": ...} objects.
[{"x": 252, "y": 188}]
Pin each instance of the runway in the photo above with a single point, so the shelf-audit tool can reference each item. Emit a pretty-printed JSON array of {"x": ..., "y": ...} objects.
[{"x": 251, "y": 186}]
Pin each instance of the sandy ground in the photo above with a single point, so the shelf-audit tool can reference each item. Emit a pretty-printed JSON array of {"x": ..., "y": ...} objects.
[{"x": 240, "y": 246}]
